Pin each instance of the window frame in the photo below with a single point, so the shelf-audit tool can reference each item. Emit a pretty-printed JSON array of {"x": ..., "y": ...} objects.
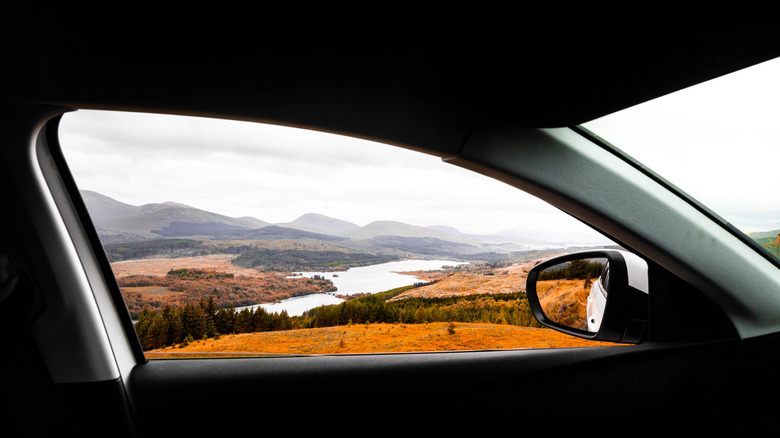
[
  {"x": 161, "y": 388},
  {"x": 572, "y": 140},
  {"x": 111, "y": 312}
]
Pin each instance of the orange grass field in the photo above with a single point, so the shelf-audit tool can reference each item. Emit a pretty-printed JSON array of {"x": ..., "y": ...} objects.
[{"x": 383, "y": 338}]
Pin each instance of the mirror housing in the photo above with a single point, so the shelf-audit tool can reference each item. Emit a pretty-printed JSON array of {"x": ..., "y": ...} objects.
[{"x": 599, "y": 295}]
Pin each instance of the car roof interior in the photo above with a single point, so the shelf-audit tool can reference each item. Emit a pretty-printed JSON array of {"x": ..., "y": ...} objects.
[{"x": 393, "y": 79}]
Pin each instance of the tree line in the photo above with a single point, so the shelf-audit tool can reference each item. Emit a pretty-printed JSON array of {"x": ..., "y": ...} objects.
[
  {"x": 508, "y": 308},
  {"x": 169, "y": 248},
  {"x": 203, "y": 320},
  {"x": 307, "y": 260},
  {"x": 575, "y": 270}
]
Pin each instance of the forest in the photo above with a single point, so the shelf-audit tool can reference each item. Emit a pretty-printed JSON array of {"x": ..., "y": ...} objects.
[
  {"x": 117, "y": 252},
  {"x": 576, "y": 269},
  {"x": 205, "y": 319},
  {"x": 286, "y": 260}
]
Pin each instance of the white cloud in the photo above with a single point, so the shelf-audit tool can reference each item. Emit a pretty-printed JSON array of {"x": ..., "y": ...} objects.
[
  {"x": 276, "y": 174},
  {"x": 716, "y": 141}
]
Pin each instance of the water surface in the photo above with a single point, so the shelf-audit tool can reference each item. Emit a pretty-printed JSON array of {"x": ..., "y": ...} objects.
[{"x": 364, "y": 279}]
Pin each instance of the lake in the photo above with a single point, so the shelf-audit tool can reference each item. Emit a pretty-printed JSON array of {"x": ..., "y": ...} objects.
[{"x": 365, "y": 279}]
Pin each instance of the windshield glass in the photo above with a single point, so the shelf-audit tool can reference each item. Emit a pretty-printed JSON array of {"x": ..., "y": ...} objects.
[{"x": 716, "y": 141}]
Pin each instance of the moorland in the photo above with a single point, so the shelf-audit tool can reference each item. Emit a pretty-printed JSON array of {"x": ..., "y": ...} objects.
[{"x": 184, "y": 273}]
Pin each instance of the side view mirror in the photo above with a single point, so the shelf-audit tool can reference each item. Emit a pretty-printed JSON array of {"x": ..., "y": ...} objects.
[{"x": 599, "y": 295}]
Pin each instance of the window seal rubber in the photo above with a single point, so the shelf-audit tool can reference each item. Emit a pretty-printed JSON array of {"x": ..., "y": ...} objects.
[{"x": 69, "y": 183}]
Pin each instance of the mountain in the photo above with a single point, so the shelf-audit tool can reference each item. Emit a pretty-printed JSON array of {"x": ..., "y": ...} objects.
[
  {"x": 118, "y": 221},
  {"x": 319, "y": 223},
  {"x": 253, "y": 222},
  {"x": 393, "y": 228},
  {"x": 102, "y": 208},
  {"x": 446, "y": 229},
  {"x": 423, "y": 245},
  {"x": 276, "y": 232}
]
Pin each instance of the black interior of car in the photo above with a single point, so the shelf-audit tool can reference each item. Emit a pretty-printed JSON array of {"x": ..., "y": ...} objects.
[{"x": 404, "y": 82}]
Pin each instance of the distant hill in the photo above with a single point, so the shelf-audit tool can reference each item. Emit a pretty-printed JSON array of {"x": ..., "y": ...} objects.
[
  {"x": 424, "y": 245},
  {"x": 118, "y": 221},
  {"x": 277, "y": 232},
  {"x": 319, "y": 223},
  {"x": 393, "y": 228},
  {"x": 253, "y": 222},
  {"x": 102, "y": 208}
]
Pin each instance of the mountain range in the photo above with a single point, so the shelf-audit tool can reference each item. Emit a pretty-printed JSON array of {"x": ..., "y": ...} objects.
[{"x": 116, "y": 222}]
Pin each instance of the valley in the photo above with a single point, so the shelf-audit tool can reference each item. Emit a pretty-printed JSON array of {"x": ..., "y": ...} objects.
[{"x": 195, "y": 278}]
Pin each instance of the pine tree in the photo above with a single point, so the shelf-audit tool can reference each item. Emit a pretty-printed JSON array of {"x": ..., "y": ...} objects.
[
  {"x": 451, "y": 328},
  {"x": 157, "y": 334},
  {"x": 193, "y": 322}
]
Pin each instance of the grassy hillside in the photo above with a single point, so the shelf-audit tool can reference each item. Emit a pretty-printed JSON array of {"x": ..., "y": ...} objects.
[
  {"x": 381, "y": 338},
  {"x": 186, "y": 286}
]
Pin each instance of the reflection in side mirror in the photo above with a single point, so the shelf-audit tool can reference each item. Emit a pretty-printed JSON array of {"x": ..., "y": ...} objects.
[
  {"x": 600, "y": 295},
  {"x": 574, "y": 293}
]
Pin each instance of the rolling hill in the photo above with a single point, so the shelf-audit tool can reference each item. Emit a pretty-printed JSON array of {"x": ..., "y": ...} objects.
[
  {"x": 319, "y": 223},
  {"x": 118, "y": 222},
  {"x": 393, "y": 228}
]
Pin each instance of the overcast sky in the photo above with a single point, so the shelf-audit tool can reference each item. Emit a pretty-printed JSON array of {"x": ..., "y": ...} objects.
[{"x": 277, "y": 174}]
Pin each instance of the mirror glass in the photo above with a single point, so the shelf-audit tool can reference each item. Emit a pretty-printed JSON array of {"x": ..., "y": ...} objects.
[{"x": 574, "y": 293}]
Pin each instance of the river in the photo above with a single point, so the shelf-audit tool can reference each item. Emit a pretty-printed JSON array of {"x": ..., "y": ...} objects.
[{"x": 365, "y": 279}]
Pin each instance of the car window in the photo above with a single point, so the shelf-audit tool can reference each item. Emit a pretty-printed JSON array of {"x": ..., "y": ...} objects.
[
  {"x": 716, "y": 141},
  {"x": 229, "y": 237}
]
